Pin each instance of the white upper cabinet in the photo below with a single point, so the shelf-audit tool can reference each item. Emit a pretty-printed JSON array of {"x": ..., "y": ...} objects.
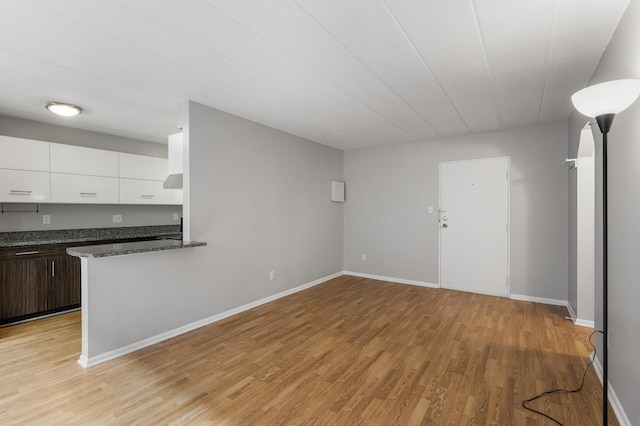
[
  {"x": 142, "y": 167},
  {"x": 24, "y": 154},
  {"x": 176, "y": 196},
  {"x": 47, "y": 172},
  {"x": 83, "y": 189},
  {"x": 24, "y": 186},
  {"x": 138, "y": 191},
  {"x": 141, "y": 180},
  {"x": 79, "y": 160}
]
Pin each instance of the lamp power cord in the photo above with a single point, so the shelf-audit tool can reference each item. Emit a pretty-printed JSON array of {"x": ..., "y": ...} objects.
[{"x": 578, "y": 389}]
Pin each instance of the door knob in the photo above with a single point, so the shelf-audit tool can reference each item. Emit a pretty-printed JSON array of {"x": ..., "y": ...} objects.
[{"x": 445, "y": 226}]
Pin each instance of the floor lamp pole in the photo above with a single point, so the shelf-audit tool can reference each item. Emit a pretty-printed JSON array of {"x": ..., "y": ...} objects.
[
  {"x": 603, "y": 101},
  {"x": 604, "y": 123}
]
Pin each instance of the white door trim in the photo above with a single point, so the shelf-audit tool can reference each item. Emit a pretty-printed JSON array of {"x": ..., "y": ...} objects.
[{"x": 508, "y": 295}]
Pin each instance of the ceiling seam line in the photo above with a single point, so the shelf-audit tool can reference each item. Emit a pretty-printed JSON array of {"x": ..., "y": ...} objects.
[
  {"x": 311, "y": 71},
  {"x": 549, "y": 56},
  {"x": 188, "y": 69},
  {"x": 486, "y": 62},
  {"x": 318, "y": 105},
  {"x": 369, "y": 69},
  {"x": 87, "y": 76},
  {"x": 424, "y": 62},
  {"x": 104, "y": 35}
]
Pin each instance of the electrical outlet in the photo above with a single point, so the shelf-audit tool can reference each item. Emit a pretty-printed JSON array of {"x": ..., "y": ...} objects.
[
  {"x": 364, "y": 257},
  {"x": 117, "y": 218},
  {"x": 176, "y": 216},
  {"x": 272, "y": 275},
  {"x": 430, "y": 209},
  {"x": 46, "y": 219}
]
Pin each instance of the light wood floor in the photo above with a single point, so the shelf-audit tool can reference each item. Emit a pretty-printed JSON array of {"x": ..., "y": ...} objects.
[{"x": 349, "y": 351}]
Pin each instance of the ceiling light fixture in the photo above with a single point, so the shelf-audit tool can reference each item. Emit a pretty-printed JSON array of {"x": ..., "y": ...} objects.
[{"x": 66, "y": 110}]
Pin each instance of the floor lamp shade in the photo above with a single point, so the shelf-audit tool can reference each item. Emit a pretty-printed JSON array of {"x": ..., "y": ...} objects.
[{"x": 611, "y": 97}]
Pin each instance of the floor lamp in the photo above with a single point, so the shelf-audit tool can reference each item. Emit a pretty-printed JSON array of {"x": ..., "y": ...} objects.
[{"x": 602, "y": 102}]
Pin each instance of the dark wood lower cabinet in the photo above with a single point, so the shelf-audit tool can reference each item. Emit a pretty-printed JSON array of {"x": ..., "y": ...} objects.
[
  {"x": 37, "y": 280},
  {"x": 64, "y": 289},
  {"x": 24, "y": 287}
]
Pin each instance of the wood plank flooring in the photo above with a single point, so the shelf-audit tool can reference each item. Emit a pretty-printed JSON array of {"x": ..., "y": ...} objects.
[{"x": 349, "y": 351}]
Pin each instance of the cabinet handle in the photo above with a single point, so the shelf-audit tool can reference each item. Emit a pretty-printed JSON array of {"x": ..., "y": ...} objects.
[
  {"x": 147, "y": 196},
  {"x": 19, "y": 192},
  {"x": 88, "y": 194},
  {"x": 53, "y": 269},
  {"x": 22, "y": 253}
]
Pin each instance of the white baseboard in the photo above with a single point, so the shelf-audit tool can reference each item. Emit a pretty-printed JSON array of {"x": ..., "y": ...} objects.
[
  {"x": 584, "y": 323},
  {"x": 613, "y": 398},
  {"x": 98, "y": 359},
  {"x": 577, "y": 321},
  {"x": 83, "y": 361},
  {"x": 391, "y": 279},
  {"x": 523, "y": 297},
  {"x": 468, "y": 290},
  {"x": 572, "y": 313},
  {"x": 535, "y": 299}
]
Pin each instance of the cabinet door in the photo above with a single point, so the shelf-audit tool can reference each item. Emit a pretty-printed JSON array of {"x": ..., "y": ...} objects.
[
  {"x": 64, "y": 291},
  {"x": 84, "y": 189},
  {"x": 24, "y": 154},
  {"x": 134, "y": 191},
  {"x": 83, "y": 161},
  {"x": 19, "y": 186},
  {"x": 176, "y": 196},
  {"x": 142, "y": 167},
  {"x": 23, "y": 287}
]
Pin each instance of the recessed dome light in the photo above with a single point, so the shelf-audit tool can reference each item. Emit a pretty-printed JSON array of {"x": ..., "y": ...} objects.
[{"x": 66, "y": 110}]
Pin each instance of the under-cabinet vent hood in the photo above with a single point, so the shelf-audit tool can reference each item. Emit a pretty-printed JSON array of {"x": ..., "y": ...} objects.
[{"x": 174, "y": 181}]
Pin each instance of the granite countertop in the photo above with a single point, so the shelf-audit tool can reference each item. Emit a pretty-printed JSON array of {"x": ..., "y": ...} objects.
[
  {"x": 106, "y": 250},
  {"x": 33, "y": 238}
]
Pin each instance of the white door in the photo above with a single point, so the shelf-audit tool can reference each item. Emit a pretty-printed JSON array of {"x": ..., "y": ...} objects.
[{"x": 474, "y": 225}]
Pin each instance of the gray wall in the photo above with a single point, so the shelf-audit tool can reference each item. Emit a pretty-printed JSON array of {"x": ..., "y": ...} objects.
[
  {"x": 29, "y": 129},
  {"x": 388, "y": 190},
  {"x": 78, "y": 216},
  {"x": 621, "y": 59},
  {"x": 260, "y": 198},
  {"x": 67, "y": 216}
]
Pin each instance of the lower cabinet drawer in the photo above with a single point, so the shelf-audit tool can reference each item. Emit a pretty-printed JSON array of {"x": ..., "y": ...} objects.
[
  {"x": 135, "y": 191},
  {"x": 21, "y": 186},
  {"x": 82, "y": 189}
]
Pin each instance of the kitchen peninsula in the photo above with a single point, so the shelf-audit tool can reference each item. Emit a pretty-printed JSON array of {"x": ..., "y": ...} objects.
[
  {"x": 39, "y": 278},
  {"x": 119, "y": 249},
  {"x": 124, "y": 312}
]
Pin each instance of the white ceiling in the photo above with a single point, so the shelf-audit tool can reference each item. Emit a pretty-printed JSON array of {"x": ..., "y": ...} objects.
[{"x": 346, "y": 73}]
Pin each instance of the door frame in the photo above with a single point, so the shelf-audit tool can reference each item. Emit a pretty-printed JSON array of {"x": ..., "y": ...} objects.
[
  {"x": 508, "y": 158},
  {"x": 585, "y": 229}
]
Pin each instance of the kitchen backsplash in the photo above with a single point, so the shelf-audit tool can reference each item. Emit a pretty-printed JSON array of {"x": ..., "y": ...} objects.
[{"x": 78, "y": 216}]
